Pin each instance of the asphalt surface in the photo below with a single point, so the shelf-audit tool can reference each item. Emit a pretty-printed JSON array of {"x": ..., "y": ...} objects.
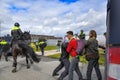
[{"x": 38, "y": 71}]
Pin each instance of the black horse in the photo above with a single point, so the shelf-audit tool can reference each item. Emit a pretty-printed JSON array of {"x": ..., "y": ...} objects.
[
  {"x": 22, "y": 47},
  {"x": 6, "y": 51}
]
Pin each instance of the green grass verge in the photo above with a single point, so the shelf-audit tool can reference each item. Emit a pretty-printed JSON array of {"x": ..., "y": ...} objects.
[{"x": 50, "y": 48}]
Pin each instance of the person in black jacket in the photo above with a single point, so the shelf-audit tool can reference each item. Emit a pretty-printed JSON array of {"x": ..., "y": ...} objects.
[
  {"x": 92, "y": 55},
  {"x": 64, "y": 62}
]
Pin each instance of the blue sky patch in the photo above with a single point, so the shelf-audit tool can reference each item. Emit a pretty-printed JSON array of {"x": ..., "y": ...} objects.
[
  {"x": 14, "y": 8},
  {"x": 68, "y": 1}
]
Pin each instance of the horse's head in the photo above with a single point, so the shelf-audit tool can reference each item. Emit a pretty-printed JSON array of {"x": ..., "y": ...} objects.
[{"x": 26, "y": 35}]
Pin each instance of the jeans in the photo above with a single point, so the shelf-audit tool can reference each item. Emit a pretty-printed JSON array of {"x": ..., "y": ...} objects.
[
  {"x": 93, "y": 63},
  {"x": 74, "y": 66},
  {"x": 66, "y": 64}
]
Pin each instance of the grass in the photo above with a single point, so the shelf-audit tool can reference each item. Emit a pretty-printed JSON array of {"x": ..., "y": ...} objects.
[
  {"x": 55, "y": 56},
  {"x": 50, "y": 48},
  {"x": 82, "y": 58},
  {"x": 46, "y": 49}
]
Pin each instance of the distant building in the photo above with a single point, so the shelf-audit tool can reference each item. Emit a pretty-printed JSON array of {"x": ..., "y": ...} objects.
[{"x": 51, "y": 40}]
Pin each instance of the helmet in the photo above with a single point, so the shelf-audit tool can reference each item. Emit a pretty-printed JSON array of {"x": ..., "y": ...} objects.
[
  {"x": 82, "y": 31},
  {"x": 17, "y": 24}
]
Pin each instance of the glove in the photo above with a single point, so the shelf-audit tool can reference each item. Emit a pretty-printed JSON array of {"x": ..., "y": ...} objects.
[{"x": 78, "y": 57}]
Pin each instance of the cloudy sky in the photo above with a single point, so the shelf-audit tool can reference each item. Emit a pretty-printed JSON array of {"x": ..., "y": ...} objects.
[{"x": 53, "y": 17}]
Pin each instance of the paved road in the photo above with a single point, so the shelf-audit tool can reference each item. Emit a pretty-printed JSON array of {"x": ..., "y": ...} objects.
[{"x": 40, "y": 71}]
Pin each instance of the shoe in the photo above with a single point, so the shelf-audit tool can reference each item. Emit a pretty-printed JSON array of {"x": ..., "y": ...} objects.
[
  {"x": 60, "y": 78},
  {"x": 84, "y": 79},
  {"x": 55, "y": 74}
]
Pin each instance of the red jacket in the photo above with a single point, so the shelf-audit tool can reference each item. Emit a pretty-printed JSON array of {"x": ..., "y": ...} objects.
[{"x": 72, "y": 46}]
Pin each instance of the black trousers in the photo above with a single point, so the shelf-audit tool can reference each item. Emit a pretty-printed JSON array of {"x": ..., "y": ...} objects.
[
  {"x": 93, "y": 64},
  {"x": 64, "y": 63},
  {"x": 1, "y": 48},
  {"x": 42, "y": 50}
]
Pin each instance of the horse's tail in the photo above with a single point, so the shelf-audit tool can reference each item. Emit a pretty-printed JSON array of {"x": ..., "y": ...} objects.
[{"x": 32, "y": 55}]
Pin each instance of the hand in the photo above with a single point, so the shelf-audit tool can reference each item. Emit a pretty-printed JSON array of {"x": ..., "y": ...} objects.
[{"x": 78, "y": 56}]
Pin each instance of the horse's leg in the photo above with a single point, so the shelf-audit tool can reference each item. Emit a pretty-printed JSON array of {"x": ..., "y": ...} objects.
[
  {"x": 28, "y": 66},
  {"x": 5, "y": 55},
  {"x": 14, "y": 65},
  {"x": 31, "y": 61},
  {"x": 0, "y": 53},
  {"x": 0, "y": 56},
  {"x": 15, "y": 60}
]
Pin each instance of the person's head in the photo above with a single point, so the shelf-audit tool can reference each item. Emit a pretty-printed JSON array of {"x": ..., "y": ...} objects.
[
  {"x": 65, "y": 39},
  {"x": 105, "y": 34},
  {"x": 92, "y": 34},
  {"x": 81, "y": 31},
  {"x": 17, "y": 24},
  {"x": 69, "y": 34}
]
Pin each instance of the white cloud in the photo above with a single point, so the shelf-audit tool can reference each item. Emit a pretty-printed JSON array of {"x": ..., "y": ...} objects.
[{"x": 53, "y": 17}]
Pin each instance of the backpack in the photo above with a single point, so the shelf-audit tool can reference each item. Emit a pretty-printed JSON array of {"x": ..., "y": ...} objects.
[{"x": 80, "y": 47}]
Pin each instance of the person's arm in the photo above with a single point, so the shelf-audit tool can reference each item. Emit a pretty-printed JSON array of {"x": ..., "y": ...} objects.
[
  {"x": 20, "y": 31},
  {"x": 11, "y": 33},
  {"x": 101, "y": 46},
  {"x": 87, "y": 43},
  {"x": 69, "y": 48}
]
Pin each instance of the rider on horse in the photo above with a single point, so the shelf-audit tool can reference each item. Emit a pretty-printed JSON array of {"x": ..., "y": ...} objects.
[
  {"x": 19, "y": 46},
  {"x": 16, "y": 32},
  {"x": 2, "y": 44}
]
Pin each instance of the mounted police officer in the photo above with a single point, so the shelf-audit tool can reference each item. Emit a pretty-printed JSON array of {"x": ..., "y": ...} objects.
[
  {"x": 2, "y": 44},
  {"x": 16, "y": 32},
  {"x": 16, "y": 35}
]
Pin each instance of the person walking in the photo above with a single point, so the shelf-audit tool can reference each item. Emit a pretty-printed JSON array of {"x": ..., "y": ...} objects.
[
  {"x": 92, "y": 55},
  {"x": 74, "y": 64},
  {"x": 64, "y": 62},
  {"x": 58, "y": 46},
  {"x": 42, "y": 45}
]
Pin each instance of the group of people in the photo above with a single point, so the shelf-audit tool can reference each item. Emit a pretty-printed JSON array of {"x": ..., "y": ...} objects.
[{"x": 69, "y": 48}]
